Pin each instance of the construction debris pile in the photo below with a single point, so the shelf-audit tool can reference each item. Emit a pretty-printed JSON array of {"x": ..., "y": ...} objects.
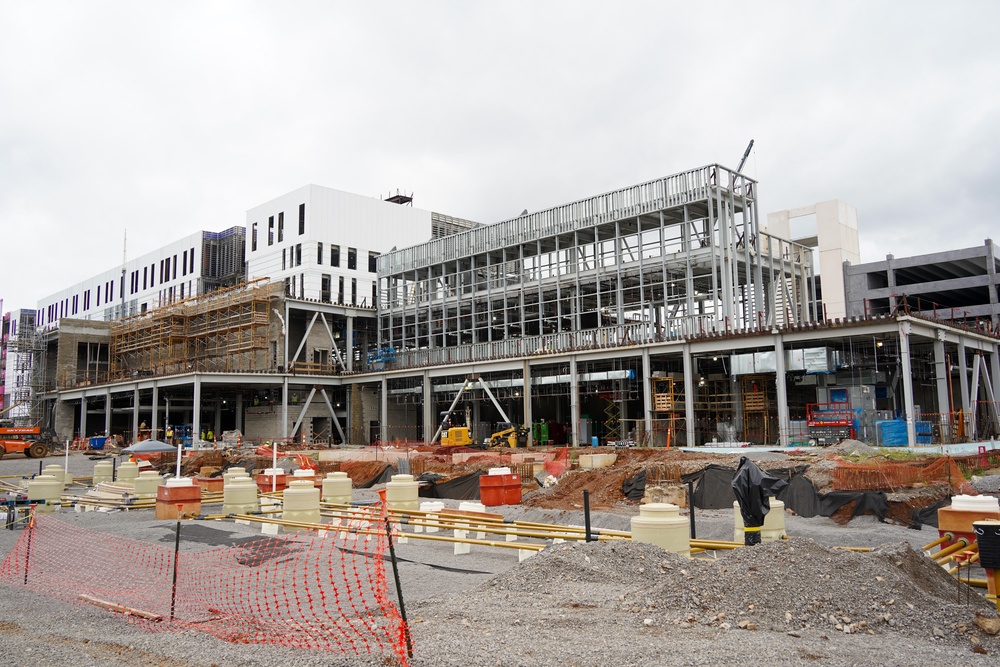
[{"x": 793, "y": 592}]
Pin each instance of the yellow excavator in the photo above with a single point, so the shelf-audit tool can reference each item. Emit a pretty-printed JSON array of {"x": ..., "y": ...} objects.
[{"x": 512, "y": 436}]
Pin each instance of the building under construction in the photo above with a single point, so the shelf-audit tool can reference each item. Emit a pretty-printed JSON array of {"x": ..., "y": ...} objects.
[{"x": 658, "y": 314}]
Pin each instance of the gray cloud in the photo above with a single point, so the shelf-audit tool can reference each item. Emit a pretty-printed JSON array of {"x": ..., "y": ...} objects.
[{"x": 172, "y": 117}]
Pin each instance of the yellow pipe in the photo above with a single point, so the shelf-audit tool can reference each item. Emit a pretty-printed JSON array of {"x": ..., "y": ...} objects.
[
  {"x": 962, "y": 543},
  {"x": 972, "y": 549},
  {"x": 946, "y": 538}
]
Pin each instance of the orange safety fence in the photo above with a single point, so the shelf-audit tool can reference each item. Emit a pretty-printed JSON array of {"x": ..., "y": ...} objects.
[
  {"x": 871, "y": 475},
  {"x": 300, "y": 591},
  {"x": 557, "y": 466}
]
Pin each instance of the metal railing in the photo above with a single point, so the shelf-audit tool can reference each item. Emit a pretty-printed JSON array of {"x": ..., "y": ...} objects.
[{"x": 635, "y": 200}]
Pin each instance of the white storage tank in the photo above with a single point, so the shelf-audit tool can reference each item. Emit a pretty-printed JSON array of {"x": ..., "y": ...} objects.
[
  {"x": 128, "y": 472},
  {"x": 103, "y": 472},
  {"x": 661, "y": 524},
  {"x": 337, "y": 488},
  {"x": 774, "y": 522},
  {"x": 57, "y": 472},
  {"x": 300, "y": 503},
  {"x": 401, "y": 493},
  {"x": 239, "y": 496},
  {"x": 146, "y": 484},
  {"x": 45, "y": 490}
]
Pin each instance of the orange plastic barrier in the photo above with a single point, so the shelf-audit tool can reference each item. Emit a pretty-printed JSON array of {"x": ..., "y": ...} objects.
[{"x": 297, "y": 591}]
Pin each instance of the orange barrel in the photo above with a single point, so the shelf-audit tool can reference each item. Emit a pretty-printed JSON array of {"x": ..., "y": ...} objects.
[
  {"x": 177, "y": 491},
  {"x": 501, "y": 489}
]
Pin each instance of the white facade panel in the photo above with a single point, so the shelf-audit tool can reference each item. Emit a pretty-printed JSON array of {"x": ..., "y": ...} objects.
[
  {"x": 148, "y": 283},
  {"x": 333, "y": 219}
]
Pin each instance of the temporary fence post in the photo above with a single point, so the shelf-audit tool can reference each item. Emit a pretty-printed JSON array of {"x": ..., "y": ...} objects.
[
  {"x": 586, "y": 514},
  {"x": 694, "y": 534},
  {"x": 399, "y": 589},
  {"x": 114, "y": 469},
  {"x": 177, "y": 548},
  {"x": 31, "y": 530}
]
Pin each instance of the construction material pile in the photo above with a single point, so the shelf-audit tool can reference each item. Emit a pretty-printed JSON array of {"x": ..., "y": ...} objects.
[{"x": 787, "y": 586}]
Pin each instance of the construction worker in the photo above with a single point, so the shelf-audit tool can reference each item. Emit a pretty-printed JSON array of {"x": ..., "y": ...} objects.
[
  {"x": 170, "y": 434},
  {"x": 211, "y": 436}
]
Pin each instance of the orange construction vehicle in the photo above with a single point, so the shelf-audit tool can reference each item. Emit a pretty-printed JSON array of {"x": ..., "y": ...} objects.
[{"x": 33, "y": 441}]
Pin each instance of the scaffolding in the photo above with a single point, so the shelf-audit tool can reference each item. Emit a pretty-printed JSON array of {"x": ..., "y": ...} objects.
[{"x": 225, "y": 331}]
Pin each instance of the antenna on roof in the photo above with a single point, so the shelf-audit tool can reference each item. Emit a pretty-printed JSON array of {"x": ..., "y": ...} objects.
[{"x": 746, "y": 154}]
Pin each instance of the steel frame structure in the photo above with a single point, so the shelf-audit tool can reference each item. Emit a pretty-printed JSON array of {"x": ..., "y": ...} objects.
[{"x": 678, "y": 256}]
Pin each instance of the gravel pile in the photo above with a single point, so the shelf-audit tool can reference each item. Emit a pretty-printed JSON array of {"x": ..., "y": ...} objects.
[
  {"x": 986, "y": 484},
  {"x": 621, "y": 603}
]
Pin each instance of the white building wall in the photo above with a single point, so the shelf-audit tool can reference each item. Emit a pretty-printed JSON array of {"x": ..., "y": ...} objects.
[
  {"x": 832, "y": 228},
  {"x": 332, "y": 217},
  {"x": 148, "y": 284}
]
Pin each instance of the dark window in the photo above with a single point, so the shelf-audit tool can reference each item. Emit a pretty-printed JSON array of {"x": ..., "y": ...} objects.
[
  {"x": 334, "y": 255},
  {"x": 352, "y": 259},
  {"x": 302, "y": 219},
  {"x": 373, "y": 262},
  {"x": 319, "y": 253},
  {"x": 324, "y": 290},
  {"x": 281, "y": 227},
  {"x": 298, "y": 254},
  {"x": 282, "y": 259},
  {"x": 302, "y": 286},
  {"x": 253, "y": 237},
  {"x": 145, "y": 275},
  {"x": 354, "y": 291},
  {"x": 270, "y": 230},
  {"x": 173, "y": 270},
  {"x": 192, "y": 260},
  {"x": 374, "y": 294},
  {"x": 340, "y": 290}
]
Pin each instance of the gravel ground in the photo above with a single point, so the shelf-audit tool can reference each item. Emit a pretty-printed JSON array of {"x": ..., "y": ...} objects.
[{"x": 619, "y": 603}]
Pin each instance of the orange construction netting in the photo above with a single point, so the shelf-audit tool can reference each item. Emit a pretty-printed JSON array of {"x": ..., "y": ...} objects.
[{"x": 296, "y": 590}]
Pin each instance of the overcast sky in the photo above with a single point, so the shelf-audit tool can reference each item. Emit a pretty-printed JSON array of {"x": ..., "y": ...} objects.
[{"x": 164, "y": 118}]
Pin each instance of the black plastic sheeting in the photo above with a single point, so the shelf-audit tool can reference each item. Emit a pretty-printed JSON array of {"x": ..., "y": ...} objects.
[
  {"x": 634, "y": 488},
  {"x": 713, "y": 490},
  {"x": 752, "y": 488},
  {"x": 465, "y": 487}
]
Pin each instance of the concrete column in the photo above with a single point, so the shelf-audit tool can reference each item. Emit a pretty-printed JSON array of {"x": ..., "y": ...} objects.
[
  {"x": 135, "y": 413},
  {"x": 782, "y": 390},
  {"x": 83, "y": 416},
  {"x": 217, "y": 427},
  {"x": 647, "y": 394},
  {"x": 349, "y": 352},
  {"x": 689, "y": 385},
  {"x": 904, "y": 347},
  {"x": 154, "y": 422},
  {"x": 383, "y": 412},
  {"x": 430, "y": 422},
  {"x": 239, "y": 411},
  {"x": 284, "y": 408},
  {"x": 196, "y": 409},
  {"x": 107, "y": 412},
  {"x": 574, "y": 404},
  {"x": 963, "y": 374},
  {"x": 995, "y": 375},
  {"x": 941, "y": 382},
  {"x": 526, "y": 398}
]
